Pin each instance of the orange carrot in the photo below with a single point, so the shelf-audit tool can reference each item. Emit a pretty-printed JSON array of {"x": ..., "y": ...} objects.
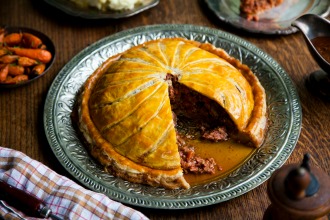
[
  {"x": 8, "y": 58},
  {"x": 15, "y": 70},
  {"x": 43, "y": 46},
  {"x": 43, "y": 56},
  {"x": 27, "y": 70},
  {"x": 16, "y": 79},
  {"x": 39, "y": 69},
  {"x": 3, "y": 72},
  {"x": 31, "y": 41},
  {"x": 12, "y": 39},
  {"x": 3, "y": 51},
  {"x": 25, "y": 61},
  {"x": 2, "y": 35}
]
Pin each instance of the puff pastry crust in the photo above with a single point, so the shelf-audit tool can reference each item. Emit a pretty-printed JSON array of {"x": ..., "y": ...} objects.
[{"x": 125, "y": 114}]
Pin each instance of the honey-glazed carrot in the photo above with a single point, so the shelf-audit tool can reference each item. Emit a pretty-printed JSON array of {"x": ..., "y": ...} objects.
[
  {"x": 43, "y": 46},
  {"x": 43, "y": 56},
  {"x": 3, "y": 51},
  {"x": 31, "y": 41},
  {"x": 27, "y": 70},
  {"x": 38, "y": 69},
  {"x": 15, "y": 70},
  {"x": 2, "y": 35},
  {"x": 12, "y": 39},
  {"x": 16, "y": 79},
  {"x": 8, "y": 58},
  {"x": 3, "y": 72},
  {"x": 25, "y": 61}
]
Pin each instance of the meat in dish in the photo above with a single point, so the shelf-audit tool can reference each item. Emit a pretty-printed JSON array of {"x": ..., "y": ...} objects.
[{"x": 251, "y": 9}]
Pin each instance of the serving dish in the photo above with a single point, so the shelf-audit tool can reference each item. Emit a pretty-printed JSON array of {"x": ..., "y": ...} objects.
[
  {"x": 275, "y": 21},
  {"x": 282, "y": 102},
  {"x": 45, "y": 39},
  {"x": 91, "y": 13}
]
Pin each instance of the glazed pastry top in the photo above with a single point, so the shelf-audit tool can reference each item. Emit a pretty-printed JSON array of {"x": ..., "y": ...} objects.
[{"x": 130, "y": 103}]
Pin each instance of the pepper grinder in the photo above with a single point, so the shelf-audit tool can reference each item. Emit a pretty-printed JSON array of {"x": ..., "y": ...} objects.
[{"x": 298, "y": 192}]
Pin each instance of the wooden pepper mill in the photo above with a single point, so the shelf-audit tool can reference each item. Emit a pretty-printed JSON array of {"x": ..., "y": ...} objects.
[{"x": 298, "y": 192}]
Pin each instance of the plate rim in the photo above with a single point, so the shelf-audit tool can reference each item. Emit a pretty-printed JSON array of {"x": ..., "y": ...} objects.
[
  {"x": 69, "y": 8},
  {"x": 173, "y": 203}
]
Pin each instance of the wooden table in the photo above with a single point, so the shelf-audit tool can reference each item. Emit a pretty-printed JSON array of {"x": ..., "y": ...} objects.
[{"x": 21, "y": 109}]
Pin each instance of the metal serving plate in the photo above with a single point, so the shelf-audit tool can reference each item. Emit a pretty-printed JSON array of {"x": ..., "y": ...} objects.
[
  {"x": 283, "y": 107},
  {"x": 275, "y": 21},
  {"x": 92, "y": 13}
]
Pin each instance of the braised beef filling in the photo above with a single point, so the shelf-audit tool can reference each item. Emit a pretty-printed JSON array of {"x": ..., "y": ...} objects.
[{"x": 197, "y": 117}]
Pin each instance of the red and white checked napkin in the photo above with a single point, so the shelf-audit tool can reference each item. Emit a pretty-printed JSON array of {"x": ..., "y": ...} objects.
[{"x": 65, "y": 198}]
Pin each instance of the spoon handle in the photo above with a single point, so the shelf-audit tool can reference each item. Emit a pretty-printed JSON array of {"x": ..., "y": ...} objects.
[{"x": 24, "y": 201}]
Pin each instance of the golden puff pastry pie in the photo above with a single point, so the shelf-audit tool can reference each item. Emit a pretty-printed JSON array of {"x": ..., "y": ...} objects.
[{"x": 130, "y": 108}]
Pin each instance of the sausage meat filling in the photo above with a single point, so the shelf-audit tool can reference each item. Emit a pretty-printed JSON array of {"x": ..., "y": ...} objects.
[{"x": 196, "y": 117}]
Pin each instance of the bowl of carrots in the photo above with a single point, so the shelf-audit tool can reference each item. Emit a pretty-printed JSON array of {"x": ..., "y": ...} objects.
[{"x": 25, "y": 55}]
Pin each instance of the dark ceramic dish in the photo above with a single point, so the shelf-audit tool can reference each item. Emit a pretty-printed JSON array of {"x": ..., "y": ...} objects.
[{"x": 45, "y": 39}]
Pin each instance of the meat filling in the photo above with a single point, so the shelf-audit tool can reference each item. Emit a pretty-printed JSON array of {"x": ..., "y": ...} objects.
[
  {"x": 196, "y": 117},
  {"x": 192, "y": 163}
]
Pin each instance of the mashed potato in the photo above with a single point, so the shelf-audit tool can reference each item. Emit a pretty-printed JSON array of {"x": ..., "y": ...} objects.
[{"x": 118, "y": 5}]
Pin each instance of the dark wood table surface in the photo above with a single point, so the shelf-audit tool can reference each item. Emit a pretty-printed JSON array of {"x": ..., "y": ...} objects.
[{"x": 21, "y": 109}]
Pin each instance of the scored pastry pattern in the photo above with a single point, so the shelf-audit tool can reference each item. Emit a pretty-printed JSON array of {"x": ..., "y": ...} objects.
[{"x": 283, "y": 106}]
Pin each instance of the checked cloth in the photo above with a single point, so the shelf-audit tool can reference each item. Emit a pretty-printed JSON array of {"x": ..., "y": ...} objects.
[{"x": 65, "y": 198}]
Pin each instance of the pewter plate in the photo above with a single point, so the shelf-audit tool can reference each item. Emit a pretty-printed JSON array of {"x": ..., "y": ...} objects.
[
  {"x": 92, "y": 13},
  {"x": 282, "y": 101},
  {"x": 275, "y": 21}
]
